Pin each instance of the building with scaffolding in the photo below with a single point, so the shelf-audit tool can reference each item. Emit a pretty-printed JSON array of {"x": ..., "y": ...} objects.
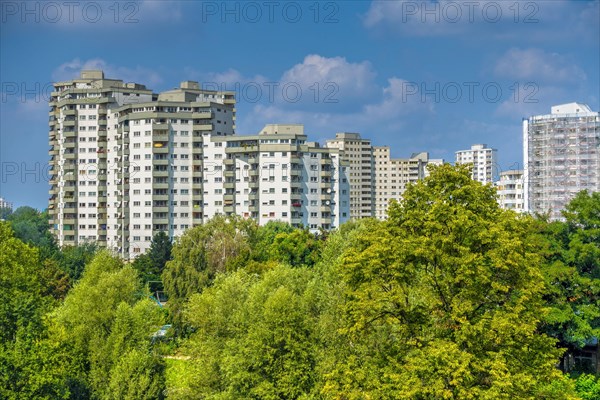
[{"x": 561, "y": 153}]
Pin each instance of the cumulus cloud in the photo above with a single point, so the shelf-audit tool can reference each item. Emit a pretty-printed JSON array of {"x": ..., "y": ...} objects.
[
  {"x": 138, "y": 74},
  {"x": 392, "y": 107},
  {"x": 537, "y": 65},
  {"x": 352, "y": 79}
]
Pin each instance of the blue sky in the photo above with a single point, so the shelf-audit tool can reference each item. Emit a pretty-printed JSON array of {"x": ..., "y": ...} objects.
[{"x": 414, "y": 75}]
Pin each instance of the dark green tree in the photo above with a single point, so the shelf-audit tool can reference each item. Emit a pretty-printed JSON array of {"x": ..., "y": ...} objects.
[
  {"x": 32, "y": 227},
  {"x": 571, "y": 251},
  {"x": 151, "y": 264}
]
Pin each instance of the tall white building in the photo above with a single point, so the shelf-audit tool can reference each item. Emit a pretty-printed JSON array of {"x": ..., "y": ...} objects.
[
  {"x": 484, "y": 160},
  {"x": 358, "y": 153},
  {"x": 276, "y": 175},
  {"x": 127, "y": 163},
  {"x": 561, "y": 157},
  {"x": 511, "y": 192},
  {"x": 392, "y": 175},
  {"x": 5, "y": 204}
]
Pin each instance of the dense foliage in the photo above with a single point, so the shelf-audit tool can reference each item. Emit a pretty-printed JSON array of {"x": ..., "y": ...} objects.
[{"x": 449, "y": 298}]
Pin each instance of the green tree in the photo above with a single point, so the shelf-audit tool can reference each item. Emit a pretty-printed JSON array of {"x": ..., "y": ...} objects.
[
  {"x": 254, "y": 337},
  {"x": 73, "y": 259},
  {"x": 221, "y": 244},
  {"x": 265, "y": 237},
  {"x": 107, "y": 322},
  {"x": 151, "y": 264},
  {"x": 444, "y": 301},
  {"x": 588, "y": 387},
  {"x": 32, "y": 227},
  {"x": 296, "y": 248},
  {"x": 26, "y": 354},
  {"x": 571, "y": 268}
]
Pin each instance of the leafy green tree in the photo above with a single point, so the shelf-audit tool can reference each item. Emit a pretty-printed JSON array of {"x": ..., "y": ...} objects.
[
  {"x": 222, "y": 244},
  {"x": 151, "y": 264},
  {"x": 265, "y": 237},
  {"x": 444, "y": 300},
  {"x": 588, "y": 387},
  {"x": 571, "y": 252},
  {"x": 296, "y": 248},
  {"x": 254, "y": 336},
  {"x": 582, "y": 216},
  {"x": 32, "y": 227},
  {"x": 25, "y": 351},
  {"x": 107, "y": 323},
  {"x": 73, "y": 259}
]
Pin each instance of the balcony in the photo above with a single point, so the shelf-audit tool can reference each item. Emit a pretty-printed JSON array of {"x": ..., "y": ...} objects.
[
  {"x": 203, "y": 127},
  {"x": 160, "y": 161}
]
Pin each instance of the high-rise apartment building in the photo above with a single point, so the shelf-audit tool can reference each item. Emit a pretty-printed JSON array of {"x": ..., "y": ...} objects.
[
  {"x": 124, "y": 161},
  {"x": 358, "y": 153},
  {"x": 511, "y": 191},
  {"x": 276, "y": 175},
  {"x": 127, "y": 163},
  {"x": 5, "y": 204},
  {"x": 561, "y": 157},
  {"x": 483, "y": 158},
  {"x": 393, "y": 174}
]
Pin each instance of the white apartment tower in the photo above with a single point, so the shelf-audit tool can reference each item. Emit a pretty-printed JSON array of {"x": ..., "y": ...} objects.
[
  {"x": 393, "y": 175},
  {"x": 561, "y": 157},
  {"x": 358, "y": 153},
  {"x": 484, "y": 160},
  {"x": 127, "y": 163},
  {"x": 276, "y": 175},
  {"x": 5, "y": 204},
  {"x": 510, "y": 188}
]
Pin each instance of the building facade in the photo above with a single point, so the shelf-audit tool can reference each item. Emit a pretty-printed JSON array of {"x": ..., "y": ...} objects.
[
  {"x": 511, "y": 190},
  {"x": 392, "y": 175},
  {"x": 484, "y": 160},
  {"x": 561, "y": 157},
  {"x": 276, "y": 175},
  {"x": 127, "y": 163},
  {"x": 358, "y": 154},
  {"x": 5, "y": 204}
]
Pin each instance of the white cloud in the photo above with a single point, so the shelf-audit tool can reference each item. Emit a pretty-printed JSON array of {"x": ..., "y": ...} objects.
[
  {"x": 352, "y": 79},
  {"x": 389, "y": 112},
  {"x": 71, "y": 70},
  {"x": 538, "y": 66}
]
